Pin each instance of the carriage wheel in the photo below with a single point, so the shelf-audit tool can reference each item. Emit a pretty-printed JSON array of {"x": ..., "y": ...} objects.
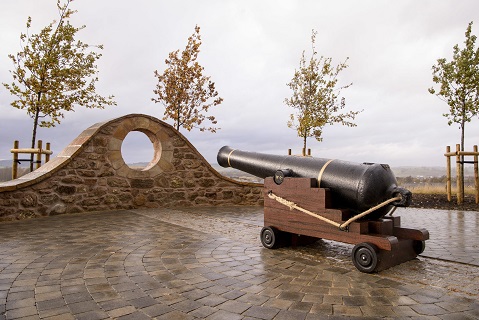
[
  {"x": 270, "y": 237},
  {"x": 419, "y": 246},
  {"x": 365, "y": 257}
]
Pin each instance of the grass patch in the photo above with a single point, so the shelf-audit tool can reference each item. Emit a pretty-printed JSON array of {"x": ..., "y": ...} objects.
[{"x": 438, "y": 189}]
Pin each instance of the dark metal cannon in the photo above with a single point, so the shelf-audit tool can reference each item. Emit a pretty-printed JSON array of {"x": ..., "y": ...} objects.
[
  {"x": 307, "y": 198},
  {"x": 353, "y": 186}
]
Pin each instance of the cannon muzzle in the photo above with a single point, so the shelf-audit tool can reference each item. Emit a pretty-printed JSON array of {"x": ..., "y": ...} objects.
[{"x": 353, "y": 186}]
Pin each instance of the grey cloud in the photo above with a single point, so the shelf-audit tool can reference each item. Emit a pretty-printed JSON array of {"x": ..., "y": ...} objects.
[{"x": 250, "y": 49}]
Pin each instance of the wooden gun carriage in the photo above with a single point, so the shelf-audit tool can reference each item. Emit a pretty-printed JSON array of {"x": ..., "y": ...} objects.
[{"x": 306, "y": 199}]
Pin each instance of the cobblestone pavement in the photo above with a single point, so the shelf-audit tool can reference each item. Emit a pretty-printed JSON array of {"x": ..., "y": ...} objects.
[
  {"x": 454, "y": 235},
  {"x": 209, "y": 263}
]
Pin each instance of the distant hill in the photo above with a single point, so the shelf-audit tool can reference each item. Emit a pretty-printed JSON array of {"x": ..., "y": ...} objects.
[
  {"x": 400, "y": 172},
  {"x": 406, "y": 171},
  {"x": 403, "y": 171},
  {"x": 8, "y": 163},
  {"x": 419, "y": 171}
]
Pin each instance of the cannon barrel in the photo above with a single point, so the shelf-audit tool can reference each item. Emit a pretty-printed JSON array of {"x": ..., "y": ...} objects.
[{"x": 353, "y": 186}]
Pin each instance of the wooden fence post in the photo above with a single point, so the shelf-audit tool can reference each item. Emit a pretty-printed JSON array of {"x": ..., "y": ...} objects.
[
  {"x": 476, "y": 174},
  {"x": 448, "y": 174},
  {"x": 460, "y": 190},
  {"x": 15, "y": 160},
  {"x": 47, "y": 155},
  {"x": 39, "y": 153}
]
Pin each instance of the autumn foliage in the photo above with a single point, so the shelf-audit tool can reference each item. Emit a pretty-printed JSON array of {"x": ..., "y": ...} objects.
[{"x": 183, "y": 89}]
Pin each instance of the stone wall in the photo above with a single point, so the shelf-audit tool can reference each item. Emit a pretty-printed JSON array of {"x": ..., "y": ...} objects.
[{"x": 91, "y": 175}]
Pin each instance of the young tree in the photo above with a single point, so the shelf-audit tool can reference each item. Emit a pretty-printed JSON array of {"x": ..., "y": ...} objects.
[
  {"x": 458, "y": 82},
  {"x": 316, "y": 96},
  {"x": 183, "y": 89},
  {"x": 53, "y": 73}
]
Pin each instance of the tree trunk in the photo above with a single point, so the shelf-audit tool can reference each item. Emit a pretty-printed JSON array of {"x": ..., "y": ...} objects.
[
  {"x": 34, "y": 133},
  {"x": 34, "y": 138},
  {"x": 463, "y": 124},
  {"x": 304, "y": 142},
  {"x": 178, "y": 119}
]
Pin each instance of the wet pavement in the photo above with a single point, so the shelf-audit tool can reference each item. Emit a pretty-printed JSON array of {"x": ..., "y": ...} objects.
[
  {"x": 454, "y": 235},
  {"x": 208, "y": 263}
]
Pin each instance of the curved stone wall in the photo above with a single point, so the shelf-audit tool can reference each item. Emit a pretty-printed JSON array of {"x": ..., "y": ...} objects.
[{"x": 91, "y": 175}]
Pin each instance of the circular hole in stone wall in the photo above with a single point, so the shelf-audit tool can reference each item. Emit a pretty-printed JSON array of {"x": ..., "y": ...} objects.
[{"x": 137, "y": 150}]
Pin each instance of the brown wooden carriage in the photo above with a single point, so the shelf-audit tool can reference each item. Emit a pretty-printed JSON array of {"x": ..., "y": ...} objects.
[{"x": 379, "y": 243}]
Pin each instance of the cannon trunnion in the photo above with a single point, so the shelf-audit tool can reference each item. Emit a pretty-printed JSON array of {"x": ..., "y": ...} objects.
[{"x": 306, "y": 199}]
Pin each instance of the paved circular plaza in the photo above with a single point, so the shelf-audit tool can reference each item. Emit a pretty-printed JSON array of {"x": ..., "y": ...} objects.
[{"x": 209, "y": 263}]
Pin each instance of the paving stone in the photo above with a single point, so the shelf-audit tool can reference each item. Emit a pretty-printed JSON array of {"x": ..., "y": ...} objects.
[
  {"x": 82, "y": 307},
  {"x": 423, "y": 299},
  {"x": 261, "y": 312},
  {"x": 324, "y": 309},
  {"x": 336, "y": 300},
  {"x": 355, "y": 301},
  {"x": 170, "y": 299},
  {"x": 195, "y": 294},
  {"x": 50, "y": 304},
  {"x": 47, "y": 288},
  {"x": 291, "y": 295},
  {"x": 301, "y": 306},
  {"x": 64, "y": 316},
  {"x": 115, "y": 313},
  {"x": 21, "y": 295},
  {"x": 70, "y": 289},
  {"x": 21, "y": 312},
  {"x": 212, "y": 300},
  {"x": 203, "y": 312},
  {"x": 253, "y": 299},
  {"x": 187, "y": 305},
  {"x": 314, "y": 298},
  {"x": 136, "y": 315},
  {"x": 157, "y": 310},
  {"x": 142, "y": 302},
  {"x": 348, "y": 311},
  {"x": 217, "y": 290},
  {"x": 15, "y": 304},
  {"x": 233, "y": 294},
  {"x": 401, "y": 300},
  {"x": 222, "y": 314},
  {"x": 291, "y": 314},
  {"x": 175, "y": 315},
  {"x": 92, "y": 315},
  {"x": 428, "y": 309},
  {"x": 234, "y": 306},
  {"x": 404, "y": 311},
  {"x": 113, "y": 304},
  {"x": 378, "y": 311},
  {"x": 76, "y": 297},
  {"x": 105, "y": 296},
  {"x": 314, "y": 316}
]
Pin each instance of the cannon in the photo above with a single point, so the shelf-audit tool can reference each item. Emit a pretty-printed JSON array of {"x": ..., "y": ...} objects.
[
  {"x": 306, "y": 199},
  {"x": 356, "y": 187}
]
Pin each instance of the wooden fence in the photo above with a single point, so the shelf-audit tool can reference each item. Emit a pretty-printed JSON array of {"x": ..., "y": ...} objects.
[
  {"x": 459, "y": 155},
  {"x": 303, "y": 152},
  {"x": 38, "y": 152}
]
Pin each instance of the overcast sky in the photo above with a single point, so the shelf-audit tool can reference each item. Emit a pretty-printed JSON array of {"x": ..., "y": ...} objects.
[{"x": 251, "y": 49}]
